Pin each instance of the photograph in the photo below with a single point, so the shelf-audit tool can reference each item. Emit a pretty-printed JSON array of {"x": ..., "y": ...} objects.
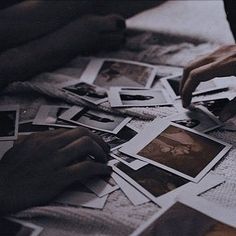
[
  {"x": 48, "y": 115},
  {"x": 172, "y": 85},
  {"x": 119, "y": 97},
  {"x": 88, "y": 92},
  {"x": 199, "y": 119},
  {"x": 27, "y": 127},
  {"x": 9, "y": 118},
  {"x": 214, "y": 106},
  {"x": 119, "y": 73},
  {"x": 180, "y": 150},
  {"x": 132, "y": 162},
  {"x": 13, "y": 227},
  {"x": 94, "y": 119},
  {"x": 193, "y": 216}
]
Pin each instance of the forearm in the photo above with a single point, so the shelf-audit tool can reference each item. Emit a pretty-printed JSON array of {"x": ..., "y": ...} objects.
[
  {"x": 32, "y": 19},
  {"x": 46, "y": 53}
]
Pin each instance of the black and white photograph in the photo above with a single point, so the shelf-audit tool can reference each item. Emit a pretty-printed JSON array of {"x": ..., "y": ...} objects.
[
  {"x": 199, "y": 119},
  {"x": 9, "y": 118},
  {"x": 97, "y": 120},
  {"x": 119, "y": 73},
  {"x": 119, "y": 97},
  {"x": 190, "y": 216},
  {"x": 177, "y": 149},
  {"x": 172, "y": 85},
  {"x": 13, "y": 227},
  {"x": 48, "y": 115},
  {"x": 88, "y": 92}
]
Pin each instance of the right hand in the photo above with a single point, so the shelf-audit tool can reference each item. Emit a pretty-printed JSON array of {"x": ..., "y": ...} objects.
[{"x": 42, "y": 165}]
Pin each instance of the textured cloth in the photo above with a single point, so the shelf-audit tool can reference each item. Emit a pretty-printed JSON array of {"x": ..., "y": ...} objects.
[{"x": 120, "y": 217}]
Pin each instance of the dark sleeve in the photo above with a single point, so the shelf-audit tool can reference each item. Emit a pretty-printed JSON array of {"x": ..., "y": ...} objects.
[{"x": 230, "y": 9}]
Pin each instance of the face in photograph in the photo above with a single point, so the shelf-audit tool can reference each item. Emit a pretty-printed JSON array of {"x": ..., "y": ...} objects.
[
  {"x": 122, "y": 74},
  {"x": 99, "y": 120},
  {"x": 7, "y": 121},
  {"x": 181, "y": 220},
  {"x": 214, "y": 106},
  {"x": 182, "y": 150},
  {"x": 87, "y": 90},
  {"x": 189, "y": 123},
  {"x": 153, "y": 179}
]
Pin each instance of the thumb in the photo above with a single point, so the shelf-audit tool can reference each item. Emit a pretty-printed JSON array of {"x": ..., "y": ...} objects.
[{"x": 229, "y": 110}]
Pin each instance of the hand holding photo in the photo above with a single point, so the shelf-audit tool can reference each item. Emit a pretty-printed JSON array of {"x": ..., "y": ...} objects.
[
  {"x": 9, "y": 119},
  {"x": 172, "y": 85},
  {"x": 95, "y": 119},
  {"x": 118, "y": 73},
  {"x": 177, "y": 149},
  {"x": 119, "y": 97},
  {"x": 88, "y": 92}
]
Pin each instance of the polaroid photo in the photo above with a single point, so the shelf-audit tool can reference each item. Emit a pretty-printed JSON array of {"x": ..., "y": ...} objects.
[
  {"x": 79, "y": 195},
  {"x": 48, "y": 115},
  {"x": 177, "y": 149},
  {"x": 101, "y": 186},
  {"x": 116, "y": 141},
  {"x": 172, "y": 85},
  {"x": 4, "y": 147},
  {"x": 161, "y": 186},
  {"x": 94, "y": 119},
  {"x": 108, "y": 73},
  {"x": 132, "y": 162},
  {"x": 193, "y": 216},
  {"x": 13, "y": 227},
  {"x": 199, "y": 119},
  {"x": 9, "y": 119},
  {"x": 135, "y": 196},
  {"x": 88, "y": 92},
  {"x": 119, "y": 97},
  {"x": 26, "y": 127}
]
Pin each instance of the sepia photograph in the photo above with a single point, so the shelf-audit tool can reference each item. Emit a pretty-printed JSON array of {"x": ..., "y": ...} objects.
[
  {"x": 119, "y": 97},
  {"x": 97, "y": 120},
  {"x": 9, "y": 118},
  {"x": 172, "y": 85},
  {"x": 48, "y": 115},
  {"x": 191, "y": 216},
  {"x": 177, "y": 149},
  {"x": 108, "y": 73},
  {"x": 199, "y": 119},
  {"x": 88, "y": 92}
]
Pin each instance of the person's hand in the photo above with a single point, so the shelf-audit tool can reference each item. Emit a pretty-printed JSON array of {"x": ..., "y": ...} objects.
[
  {"x": 42, "y": 165},
  {"x": 218, "y": 64}
]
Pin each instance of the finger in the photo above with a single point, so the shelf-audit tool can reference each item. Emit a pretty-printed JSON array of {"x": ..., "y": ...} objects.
[
  {"x": 197, "y": 76},
  {"x": 79, "y": 150},
  {"x": 229, "y": 111},
  {"x": 191, "y": 67},
  {"x": 70, "y": 136},
  {"x": 83, "y": 171}
]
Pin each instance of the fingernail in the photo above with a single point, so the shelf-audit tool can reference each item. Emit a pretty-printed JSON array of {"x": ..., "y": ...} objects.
[{"x": 120, "y": 24}]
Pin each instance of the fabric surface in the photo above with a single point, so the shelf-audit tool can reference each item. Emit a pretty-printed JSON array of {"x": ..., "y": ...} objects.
[{"x": 120, "y": 217}]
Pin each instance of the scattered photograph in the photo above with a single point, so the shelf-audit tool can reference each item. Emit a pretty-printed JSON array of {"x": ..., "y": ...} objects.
[
  {"x": 88, "y": 92},
  {"x": 12, "y": 227},
  {"x": 177, "y": 149},
  {"x": 48, "y": 115},
  {"x": 26, "y": 127},
  {"x": 172, "y": 84},
  {"x": 214, "y": 106},
  {"x": 9, "y": 118},
  {"x": 95, "y": 119},
  {"x": 199, "y": 119},
  {"x": 119, "y": 73},
  {"x": 190, "y": 219},
  {"x": 119, "y": 97}
]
